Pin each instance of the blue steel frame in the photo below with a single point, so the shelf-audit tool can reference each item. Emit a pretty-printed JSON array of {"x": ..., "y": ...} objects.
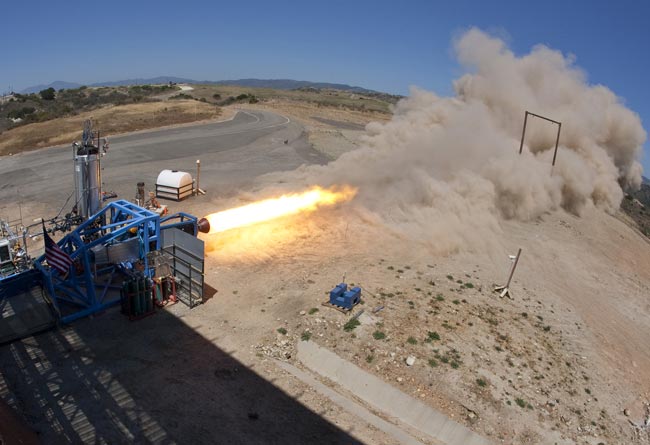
[
  {"x": 125, "y": 220},
  {"x": 183, "y": 220}
]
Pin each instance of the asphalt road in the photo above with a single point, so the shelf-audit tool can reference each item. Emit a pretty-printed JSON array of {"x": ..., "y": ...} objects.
[{"x": 232, "y": 153}]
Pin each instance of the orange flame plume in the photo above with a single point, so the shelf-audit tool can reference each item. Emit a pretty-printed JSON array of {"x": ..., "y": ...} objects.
[{"x": 273, "y": 208}]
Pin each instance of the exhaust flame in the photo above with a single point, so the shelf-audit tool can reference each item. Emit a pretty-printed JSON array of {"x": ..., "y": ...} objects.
[{"x": 273, "y": 208}]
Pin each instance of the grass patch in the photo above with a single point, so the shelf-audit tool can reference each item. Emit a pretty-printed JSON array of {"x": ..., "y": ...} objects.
[
  {"x": 313, "y": 310},
  {"x": 520, "y": 402},
  {"x": 431, "y": 336},
  {"x": 370, "y": 358},
  {"x": 305, "y": 336},
  {"x": 412, "y": 341},
  {"x": 433, "y": 363},
  {"x": 456, "y": 301},
  {"x": 450, "y": 277},
  {"x": 481, "y": 382},
  {"x": 440, "y": 297},
  {"x": 469, "y": 285},
  {"x": 351, "y": 325},
  {"x": 282, "y": 331},
  {"x": 379, "y": 335}
]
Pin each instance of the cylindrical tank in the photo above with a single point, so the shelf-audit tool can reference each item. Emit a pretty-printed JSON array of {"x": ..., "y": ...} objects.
[{"x": 88, "y": 181}]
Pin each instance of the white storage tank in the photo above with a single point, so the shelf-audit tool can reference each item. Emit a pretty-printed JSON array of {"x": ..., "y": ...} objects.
[{"x": 174, "y": 184}]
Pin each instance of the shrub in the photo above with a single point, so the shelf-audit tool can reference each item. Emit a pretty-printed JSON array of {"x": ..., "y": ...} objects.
[
  {"x": 378, "y": 335},
  {"x": 431, "y": 336},
  {"x": 48, "y": 94},
  {"x": 282, "y": 331},
  {"x": 21, "y": 113}
]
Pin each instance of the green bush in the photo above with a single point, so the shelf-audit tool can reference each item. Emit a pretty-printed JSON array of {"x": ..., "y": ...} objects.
[
  {"x": 48, "y": 94},
  {"x": 431, "y": 336},
  {"x": 21, "y": 113}
]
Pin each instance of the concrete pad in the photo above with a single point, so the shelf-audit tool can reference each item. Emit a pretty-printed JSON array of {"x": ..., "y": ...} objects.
[
  {"x": 385, "y": 397},
  {"x": 350, "y": 406}
]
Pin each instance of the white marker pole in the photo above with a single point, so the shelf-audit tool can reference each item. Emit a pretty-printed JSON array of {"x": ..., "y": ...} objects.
[
  {"x": 505, "y": 290},
  {"x": 198, "y": 176}
]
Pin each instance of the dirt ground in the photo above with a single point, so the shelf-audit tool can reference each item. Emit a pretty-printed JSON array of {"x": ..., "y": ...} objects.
[
  {"x": 558, "y": 363},
  {"x": 332, "y": 131},
  {"x": 564, "y": 361}
]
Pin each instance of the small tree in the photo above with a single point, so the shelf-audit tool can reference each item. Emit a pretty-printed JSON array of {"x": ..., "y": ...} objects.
[{"x": 47, "y": 94}]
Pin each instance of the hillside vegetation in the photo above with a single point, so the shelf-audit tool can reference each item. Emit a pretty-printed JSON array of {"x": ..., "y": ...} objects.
[
  {"x": 637, "y": 206},
  {"x": 51, "y": 117},
  {"x": 48, "y": 104}
]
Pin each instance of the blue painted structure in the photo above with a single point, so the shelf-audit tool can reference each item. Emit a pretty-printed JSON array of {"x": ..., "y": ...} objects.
[
  {"x": 342, "y": 297},
  {"x": 79, "y": 293}
]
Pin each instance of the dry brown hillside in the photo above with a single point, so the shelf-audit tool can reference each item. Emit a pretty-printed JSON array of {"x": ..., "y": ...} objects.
[{"x": 558, "y": 363}]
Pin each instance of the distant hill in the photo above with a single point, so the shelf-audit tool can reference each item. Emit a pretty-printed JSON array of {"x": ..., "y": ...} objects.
[
  {"x": 288, "y": 84},
  {"x": 645, "y": 180},
  {"x": 57, "y": 85},
  {"x": 278, "y": 84}
]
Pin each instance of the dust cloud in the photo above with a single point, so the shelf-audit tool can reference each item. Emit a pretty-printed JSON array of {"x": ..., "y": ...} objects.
[{"x": 445, "y": 170}]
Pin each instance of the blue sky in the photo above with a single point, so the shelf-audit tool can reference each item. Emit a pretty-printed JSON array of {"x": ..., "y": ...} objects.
[{"x": 383, "y": 45}]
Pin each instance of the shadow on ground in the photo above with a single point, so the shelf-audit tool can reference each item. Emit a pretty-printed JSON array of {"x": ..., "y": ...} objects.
[{"x": 108, "y": 380}]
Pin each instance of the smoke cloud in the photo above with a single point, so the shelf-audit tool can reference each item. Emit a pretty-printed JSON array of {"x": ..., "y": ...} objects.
[{"x": 445, "y": 170}]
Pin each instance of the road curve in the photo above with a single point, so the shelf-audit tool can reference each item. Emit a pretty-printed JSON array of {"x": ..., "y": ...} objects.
[{"x": 232, "y": 153}]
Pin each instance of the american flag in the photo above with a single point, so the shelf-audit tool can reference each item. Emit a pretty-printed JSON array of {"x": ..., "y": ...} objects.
[{"x": 54, "y": 255}]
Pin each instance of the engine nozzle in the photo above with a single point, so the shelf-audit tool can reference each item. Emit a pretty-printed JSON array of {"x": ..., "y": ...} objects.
[{"x": 204, "y": 225}]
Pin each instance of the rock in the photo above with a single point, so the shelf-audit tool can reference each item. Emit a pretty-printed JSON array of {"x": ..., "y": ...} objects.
[
  {"x": 410, "y": 360},
  {"x": 626, "y": 412},
  {"x": 399, "y": 379},
  {"x": 303, "y": 313}
]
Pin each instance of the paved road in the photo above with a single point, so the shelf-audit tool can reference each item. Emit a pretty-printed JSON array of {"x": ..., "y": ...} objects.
[{"x": 233, "y": 153}]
